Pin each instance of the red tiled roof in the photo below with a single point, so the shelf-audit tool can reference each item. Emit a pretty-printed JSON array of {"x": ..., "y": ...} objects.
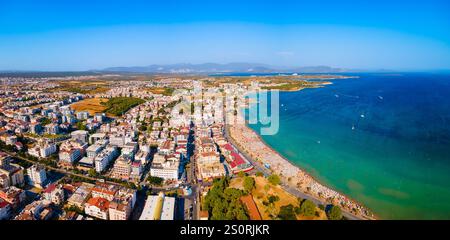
[
  {"x": 101, "y": 203},
  {"x": 237, "y": 160},
  {"x": 136, "y": 164},
  {"x": 251, "y": 207},
  {"x": 69, "y": 188},
  {"x": 4, "y": 204},
  {"x": 50, "y": 188},
  {"x": 228, "y": 147}
]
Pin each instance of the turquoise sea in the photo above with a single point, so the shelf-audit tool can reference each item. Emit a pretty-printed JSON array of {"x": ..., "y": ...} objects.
[{"x": 382, "y": 139}]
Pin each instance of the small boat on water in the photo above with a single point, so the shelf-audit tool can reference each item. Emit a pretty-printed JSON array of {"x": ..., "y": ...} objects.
[
  {"x": 336, "y": 95},
  {"x": 363, "y": 116},
  {"x": 380, "y": 97},
  {"x": 353, "y": 127}
]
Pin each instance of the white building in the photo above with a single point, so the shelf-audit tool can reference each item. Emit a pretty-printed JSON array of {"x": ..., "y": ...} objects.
[
  {"x": 52, "y": 128},
  {"x": 96, "y": 136},
  {"x": 42, "y": 149},
  {"x": 82, "y": 115},
  {"x": 72, "y": 151},
  {"x": 80, "y": 135},
  {"x": 38, "y": 176},
  {"x": 143, "y": 157},
  {"x": 97, "y": 207},
  {"x": 158, "y": 208},
  {"x": 165, "y": 167},
  {"x": 54, "y": 193},
  {"x": 96, "y": 148},
  {"x": 104, "y": 158},
  {"x": 117, "y": 140},
  {"x": 69, "y": 156},
  {"x": 10, "y": 174},
  {"x": 99, "y": 117}
]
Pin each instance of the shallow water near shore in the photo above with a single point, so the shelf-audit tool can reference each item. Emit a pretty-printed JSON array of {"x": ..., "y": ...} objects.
[{"x": 381, "y": 139}]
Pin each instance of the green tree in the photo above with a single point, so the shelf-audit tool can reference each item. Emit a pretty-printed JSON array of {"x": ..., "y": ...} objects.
[
  {"x": 335, "y": 213},
  {"x": 307, "y": 208},
  {"x": 273, "y": 198},
  {"x": 249, "y": 184},
  {"x": 259, "y": 174},
  {"x": 81, "y": 126},
  {"x": 223, "y": 203},
  {"x": 73, "y": 208},
  {"x": 287, "y": 213},
  {"x": 119, "y": 105},
  {"x": 155, "y": 180},
  {"x": 241, "y": 174},
  {"x": 45, "y": 121},
  {"x": 241, "y": 215},
  {"x": 143, "y": 128},
  {"x": 274, "y": 179}
]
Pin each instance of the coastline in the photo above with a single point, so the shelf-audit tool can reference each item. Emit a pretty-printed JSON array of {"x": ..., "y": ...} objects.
[
  {"x": 319, "y": 85},
  {"x": 372, "y": 216},
  {"x": 291, "y": 174},
  {"x": 295, "y": 177}
]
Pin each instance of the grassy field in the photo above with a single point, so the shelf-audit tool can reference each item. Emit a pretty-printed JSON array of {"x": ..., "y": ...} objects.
[
  {"x": 263, "y": 189},
  {"x": 89, "y": 90},
  {"x": 92, "y": 105},
  {"x": 120, "y": 105},
  {"x": 161, "y": 90}
]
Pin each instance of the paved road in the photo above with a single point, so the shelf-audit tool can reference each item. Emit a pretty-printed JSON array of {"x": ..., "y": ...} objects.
[
  {"x": 294, "y": 191},
  {"x": 14, "y": 155},
  {"x": 192, "y": 178}
]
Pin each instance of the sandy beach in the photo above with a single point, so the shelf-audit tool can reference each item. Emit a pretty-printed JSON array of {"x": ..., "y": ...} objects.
[{"x": 291, "y": 175}]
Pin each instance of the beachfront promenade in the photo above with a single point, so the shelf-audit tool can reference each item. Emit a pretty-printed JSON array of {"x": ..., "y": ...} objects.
[{"x": 294, "y": 180}]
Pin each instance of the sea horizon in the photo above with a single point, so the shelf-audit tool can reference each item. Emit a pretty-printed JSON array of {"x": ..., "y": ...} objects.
[{"x": 372, "y": 139}]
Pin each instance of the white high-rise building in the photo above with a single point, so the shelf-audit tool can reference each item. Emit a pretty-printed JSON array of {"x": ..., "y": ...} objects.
[
  {"x": 38, "y": 175},
  {"x": 104, "y": 158}
]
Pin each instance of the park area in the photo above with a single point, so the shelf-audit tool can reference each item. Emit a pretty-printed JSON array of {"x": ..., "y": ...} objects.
[{"x": 272, "y": 201}]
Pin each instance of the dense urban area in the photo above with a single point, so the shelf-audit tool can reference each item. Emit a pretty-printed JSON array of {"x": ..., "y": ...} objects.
[{"x": 113, "y": 147}]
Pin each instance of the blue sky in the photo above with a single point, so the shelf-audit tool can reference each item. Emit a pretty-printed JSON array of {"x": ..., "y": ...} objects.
[{"x": 82, "y": 35}]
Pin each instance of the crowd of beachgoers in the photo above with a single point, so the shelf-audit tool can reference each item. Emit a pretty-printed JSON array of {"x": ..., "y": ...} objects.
[{"x": 251, "y": 143}]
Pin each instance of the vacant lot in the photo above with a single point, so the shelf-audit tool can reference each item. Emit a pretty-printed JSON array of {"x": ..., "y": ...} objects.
[{"x": 92, "y": 105}]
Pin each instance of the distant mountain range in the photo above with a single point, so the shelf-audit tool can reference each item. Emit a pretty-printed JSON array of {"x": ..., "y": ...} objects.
[
  {"x": 184, "y": 68},
  {"x": 189, "y": 68}
]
